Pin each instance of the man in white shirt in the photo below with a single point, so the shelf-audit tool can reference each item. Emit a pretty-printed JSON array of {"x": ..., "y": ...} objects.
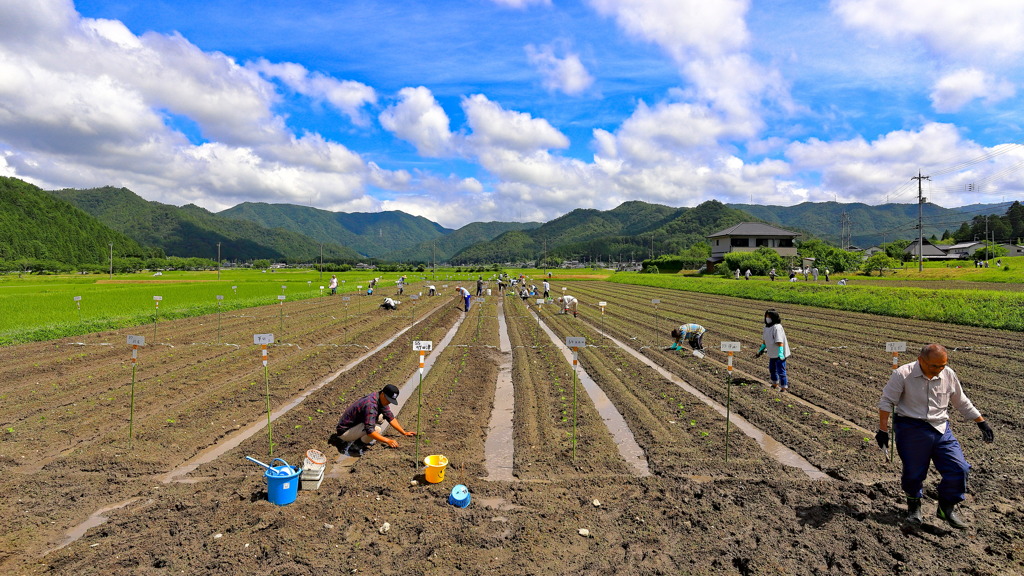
[{"x": 920, "y": 393}]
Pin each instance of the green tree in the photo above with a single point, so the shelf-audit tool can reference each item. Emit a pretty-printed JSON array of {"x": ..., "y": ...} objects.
[
  {"x": 880, "y": 262},
  {"x": 989, "y": 251},
  {"x": 261, "y": 264}
]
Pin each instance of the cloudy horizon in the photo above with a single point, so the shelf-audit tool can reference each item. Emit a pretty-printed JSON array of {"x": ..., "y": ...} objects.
[{"x": 514, "y": 109}]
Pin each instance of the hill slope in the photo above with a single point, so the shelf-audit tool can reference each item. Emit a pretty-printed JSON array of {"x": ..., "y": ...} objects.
[
  {"x": 625, "y": 232},
  {"x": 194, "y": 231},
  {"x": 34, "y": 224},
  {"x": 372, "y": 234}
]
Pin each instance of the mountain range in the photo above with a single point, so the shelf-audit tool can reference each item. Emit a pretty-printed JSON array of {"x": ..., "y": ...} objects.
[{"x": 78, "y": 225}]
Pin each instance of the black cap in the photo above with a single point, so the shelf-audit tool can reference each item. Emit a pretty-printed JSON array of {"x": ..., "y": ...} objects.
[{"x": 391, "y": 393}]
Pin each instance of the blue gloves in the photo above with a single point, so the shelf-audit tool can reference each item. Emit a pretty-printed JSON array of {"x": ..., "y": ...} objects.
[
  {"x": 760, "y": 351},
  {"x": 782, "y": 352},
  {"x": 675, "y": 346}
]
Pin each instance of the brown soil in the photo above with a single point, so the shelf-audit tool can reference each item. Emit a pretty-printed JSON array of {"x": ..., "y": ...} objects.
[{"x": 65, "y": 451}]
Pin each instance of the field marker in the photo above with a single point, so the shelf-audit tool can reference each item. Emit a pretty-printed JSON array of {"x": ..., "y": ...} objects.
[
  {"x": 135, "y": 342},
  {"x": 657, "y": 319},
  {"x": 156, "y": 299},
  {"x": 219, "y": 300},
  {"x": 78, "y": 304},
  {"x": 574, "y": 342},
  {"x": 281, "y": 300},
  {"x": 421, "y": 346},
  {"x": 263, "y": 340},
  {"x": 895, "y": 348},
  {"x": 235, "y": 290},
  {"x": 729, "y": 348}
]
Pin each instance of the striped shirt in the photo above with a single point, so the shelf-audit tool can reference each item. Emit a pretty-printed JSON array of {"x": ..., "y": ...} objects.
[{"x": 364, "y": 411}]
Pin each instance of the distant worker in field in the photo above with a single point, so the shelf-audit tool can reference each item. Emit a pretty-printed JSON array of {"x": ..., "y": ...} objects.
[
  {"x": 480, "y": 286},
  {"x": 737, "y": 273},
  {"x": 570, "y": 305},
  {"x": 842, "y": 282},
  {"x": 360, "y": 425},
  {"x": 746, "y": 275},
  {"x": 814, "y": 273},
  {"x": 774, "y": 342},
  {"x": 547, "y": 289},
  {"x": 920, "y": 393},
  {"x": 692, "y": 333},
  {"x": 772, "y": 274},
  {"x": 431, "y": 290},
  {"x": 465, "y": 296},
  {"x": 826, "y": 275},
  {"x": 390, "y": 304},
  {"x": 333, "y": 285}
]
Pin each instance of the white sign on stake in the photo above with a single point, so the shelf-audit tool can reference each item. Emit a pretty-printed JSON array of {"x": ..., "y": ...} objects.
[
  {"x": 284, "y": 287},
  {"x": 414, "y": 296},
  {"x": 344, "y": 298},
  {"x": 137, "y": 340},
  {"x": 281, "y": 297},
  {"x": 575, "y": 342},
  {"x": 220, "y": 297},
  {"x": 730, "y": 346},
  {"x": 321, "y": 287},
  {"x": 262, "y": 338},
  {"x": 655, "y": 301},
  {"x": 422, "y": 345},
  {"x": 78, "y": 298},
  {"x": 158, "y": 298},
  {"x": 602, "y": 304},
  {"x": 895, "y": 346},
  {"x": 540, "y": 301}
]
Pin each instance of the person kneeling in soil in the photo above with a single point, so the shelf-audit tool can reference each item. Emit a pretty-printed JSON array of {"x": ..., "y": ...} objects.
[
  {"x": 692, "y": 333},
  {"x": 390, "y": 304},
  {"x": 920, "y": 393},
  {"x": 360, "y": 425}
]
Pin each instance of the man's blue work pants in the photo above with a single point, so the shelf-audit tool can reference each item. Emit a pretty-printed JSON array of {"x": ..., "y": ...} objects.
[{"x": 919, "y": 444}]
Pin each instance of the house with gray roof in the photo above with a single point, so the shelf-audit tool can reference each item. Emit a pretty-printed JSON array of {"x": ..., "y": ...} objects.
[{"x": 748, "y": 237}]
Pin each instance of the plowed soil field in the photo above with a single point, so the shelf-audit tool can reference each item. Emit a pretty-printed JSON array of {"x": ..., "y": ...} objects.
[{"x": 80, "y": 499}]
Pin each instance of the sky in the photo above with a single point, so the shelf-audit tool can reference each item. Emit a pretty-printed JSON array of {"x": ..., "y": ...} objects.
[{"x": 515, "y": 110}]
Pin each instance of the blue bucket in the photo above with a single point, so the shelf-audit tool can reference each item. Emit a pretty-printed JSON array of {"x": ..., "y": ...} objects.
[
  {"x": 282, "y": 483},
  {"x": 459, "y": 496}
]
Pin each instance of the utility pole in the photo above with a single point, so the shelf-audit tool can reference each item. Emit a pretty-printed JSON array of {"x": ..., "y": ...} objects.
[
  {"x": 111, "y": 260},
  {"x": 321, "y": 261},
  {"x": 920, "y": 220},
  {"x": 218, "y": 260}
]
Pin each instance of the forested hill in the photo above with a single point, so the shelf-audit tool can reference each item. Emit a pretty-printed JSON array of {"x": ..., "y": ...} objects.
[
  {"x": 35, "y": 225},
  {"x": 191, "y": 231},
  {"x": 624, "y": 232},
  {"x": 443, "y": 248},
  {"x": 868, "y": 225},
  {"x": 373, "y": 234}
]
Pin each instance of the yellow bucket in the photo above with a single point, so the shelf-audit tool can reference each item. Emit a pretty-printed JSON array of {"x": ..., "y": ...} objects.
[{"x": 435, "y": 464}]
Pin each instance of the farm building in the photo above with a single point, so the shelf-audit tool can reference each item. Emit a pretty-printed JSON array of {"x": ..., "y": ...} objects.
[{"x": 748, "y": 237}]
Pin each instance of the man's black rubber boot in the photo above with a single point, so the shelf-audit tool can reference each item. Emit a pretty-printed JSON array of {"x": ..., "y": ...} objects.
[
  {"x": 914, "y": 515},
  {"x": 947, "y": 512}
]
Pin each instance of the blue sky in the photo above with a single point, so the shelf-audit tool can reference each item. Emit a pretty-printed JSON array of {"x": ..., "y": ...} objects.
[{"x": 514, "y": 109}]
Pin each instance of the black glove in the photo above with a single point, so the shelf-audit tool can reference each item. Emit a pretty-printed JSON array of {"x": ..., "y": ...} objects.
[
  {"x": 882, "y": 438},
  {"x": 986, "y": 432}
]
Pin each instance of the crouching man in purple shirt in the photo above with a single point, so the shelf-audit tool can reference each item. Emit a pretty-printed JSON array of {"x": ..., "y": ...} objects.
[
  {"x": 920, "y": 393},
  {"x": 360, "y": 425}
]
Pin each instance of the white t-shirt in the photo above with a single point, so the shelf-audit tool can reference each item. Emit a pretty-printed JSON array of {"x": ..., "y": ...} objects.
[{"x": 773, "y": 334}]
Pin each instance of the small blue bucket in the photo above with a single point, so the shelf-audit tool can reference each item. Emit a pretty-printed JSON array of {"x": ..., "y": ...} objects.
[
  {"x": 459, "y": 496},
  {"x": 282, "y": 483}
]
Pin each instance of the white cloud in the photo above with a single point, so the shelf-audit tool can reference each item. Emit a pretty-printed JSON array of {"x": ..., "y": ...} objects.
[
  {"x": 495, "y": 127},
  {"x": 954, "y": 90},
  {"x": 683, "y": 28},
  {"x": 979, "y": 30},
  {"x": 86, "y": 103},
  {"x": 419, "y": 119},
  {"x": 347, "y": 96},
  {"x": 566, "y": 75}
]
